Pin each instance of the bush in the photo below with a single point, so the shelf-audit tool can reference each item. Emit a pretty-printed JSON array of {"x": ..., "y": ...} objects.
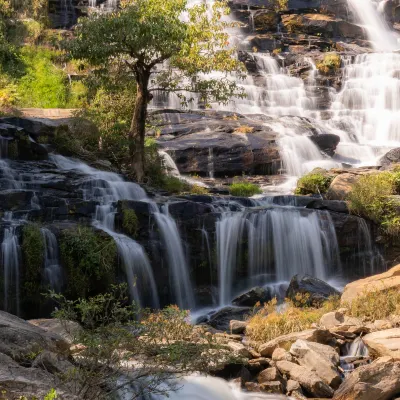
[
  {"x": 312, "y": 183},
  {"x": 174, "y": 185},
  {"x": 89, "y": 258},
  {"x": 129, "y": 222},
  {"x": 330, "y": 64},
  {"x": 371, "y": 198},
  {"x": 197, "y": 189},
  {"x": 376, "y": 304},
  {"x": 244, "y": 189}
]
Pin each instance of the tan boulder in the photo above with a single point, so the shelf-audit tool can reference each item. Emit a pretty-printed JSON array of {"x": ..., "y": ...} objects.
[
  {"x": 285, "y": 341},
  {"x": 377, "y": 381},
  {"x": 331, "y": 319},
  {"x": 280, "y": 354},
  {"x": 307, "y": 378},
  {"x": 268, "y": 375},
  {"x": 341, "y": 186},
  {"x": 387, "y": 280},
  {"x": 239, "y": 349},
  {"x": 384, "y": 343},
  {"x": 320, "y": 358}
]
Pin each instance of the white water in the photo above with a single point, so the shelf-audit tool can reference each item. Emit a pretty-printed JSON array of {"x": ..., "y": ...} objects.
[
  {"x": 52, "y": 267},
  {"x": 378, "y": 31},
  {"x": 282, "y": 242},
  {"x": 205, "y": 388},
  {"x": 107, "y": 188},
  {"x": 11, "y": 258}
]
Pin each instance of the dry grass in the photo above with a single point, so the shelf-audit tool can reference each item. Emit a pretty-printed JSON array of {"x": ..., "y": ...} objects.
[
  {"x": 269, "y": 322},
  {"x": 244, "y": 129},
  {"x": 375, "y": 304}
]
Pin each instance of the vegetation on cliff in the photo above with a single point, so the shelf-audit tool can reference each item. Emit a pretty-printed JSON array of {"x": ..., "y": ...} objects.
[{"x": 317, "y": 181}]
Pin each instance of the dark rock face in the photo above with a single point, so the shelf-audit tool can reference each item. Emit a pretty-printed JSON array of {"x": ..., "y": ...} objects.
[
  {"x": 326, "y": 142},
  {"x": 253, "y": 296},
  {"x": 318, "y": 290},
  {"x": 221, "y": 319}
]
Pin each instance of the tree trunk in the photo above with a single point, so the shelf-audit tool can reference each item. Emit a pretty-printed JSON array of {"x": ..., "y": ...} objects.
[{"x": 138, "y": 125}]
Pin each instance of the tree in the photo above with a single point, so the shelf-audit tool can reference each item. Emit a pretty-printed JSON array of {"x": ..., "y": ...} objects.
[{"x": 147, "y": 34}]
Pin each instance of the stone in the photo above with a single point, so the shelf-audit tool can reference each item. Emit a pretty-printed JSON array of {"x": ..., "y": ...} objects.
[
  {"x": 379, "y": 380},
  {"x": 331, "y": 319},
  {"x": 269, "y": 374},
  {"x": 292, "y": 385},
  {"x": 390, "y": 158},
  {"x": 381, "y": 282},
  {"x": 341, "y": 186},
  {"x": 307, "y": 378},
  {"x": 384, "y": 343},
  {"x": 20, "y": 382},
  {"x": 285, "y": 341},
  {"x": 239, "y": 349},
  {"x": 66, "y": 329},
  {"x": 237, "y": 327},
  {"x": 318, "y": 290},
  {"x": 280, "y": 354},
  {"x": 52, "y": 363},
  {"x": 326, "y": 142},
  {"x": 252, "y": 297},
  {"x": 320, "y": 358},
  {"x": 221, "y": 319},
  {"x": 18, "y": 339},
  {"x": 272, "y": 387}
]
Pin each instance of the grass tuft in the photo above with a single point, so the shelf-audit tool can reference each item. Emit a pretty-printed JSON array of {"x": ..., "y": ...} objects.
[{"x": 244, "y": 189}]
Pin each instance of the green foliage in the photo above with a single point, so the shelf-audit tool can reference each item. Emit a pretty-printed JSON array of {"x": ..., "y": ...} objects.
[
  {"x": 244, "y": 189},
  {"x": 312, "y": 183},
  {"x": 114, "y": 332},
  {"x": 330, "y": 64},
  {"x": 90, "y": 260},
  {"x": 371, "y": 198},
  {"x": 33, "y": 248},
  {"x": 197, "y": 189},
  {"x": 174, "y": 185},
  {"x": 129, "y": 222}
]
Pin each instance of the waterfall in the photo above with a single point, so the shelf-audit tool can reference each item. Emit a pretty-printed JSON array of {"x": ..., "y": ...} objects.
[
  {"x": 378, "y": 31},
  {"x": 107, "y": 188},
  {"x": 176, "y": 259},
  {"x": 52, "y": 267},
  {"x": 281, "y": 242},
  {"x": 11, "y": 257}
]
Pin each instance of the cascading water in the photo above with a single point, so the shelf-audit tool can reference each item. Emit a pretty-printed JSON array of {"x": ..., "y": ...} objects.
[
  {"x": 282, "y": 242},
  {"x": 107, "y": 188},
  {"x": 11, "y": 258},
  {"x": 52, "y": 267}
]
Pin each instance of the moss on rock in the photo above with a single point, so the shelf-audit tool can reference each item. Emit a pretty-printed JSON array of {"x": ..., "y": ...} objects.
[
  {"x": 130, "y": 223},
  {"x": 316, "y": 182}
]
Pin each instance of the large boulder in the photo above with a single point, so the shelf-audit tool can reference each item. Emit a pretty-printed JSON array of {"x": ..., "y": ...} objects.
[
  {"x": 377, "y": 381},
  {"x": 321, "y": 358},
  {"x": 307, "y": 378},
  {"x": 381, "y": 282},
  {"x": 341, "y": 186},
  {"x": 327, "y": 142},
  {"x": 384, "y": 343},
  {"x": 221, "y": 319},
  {"x": 19, "y": 339},
  {"x": 251, "y": 297},
  {"x": 317, "y": 290},
  {"x": 391, "y": 157},
  {"x": 285, "y": 341}
]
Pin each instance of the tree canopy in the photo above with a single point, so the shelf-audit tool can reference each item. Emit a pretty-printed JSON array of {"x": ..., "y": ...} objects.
[{"x": 167, "y": 46}]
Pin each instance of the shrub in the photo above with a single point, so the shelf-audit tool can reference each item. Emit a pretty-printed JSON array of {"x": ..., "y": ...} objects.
[
  {"x": 312, "y": 183},
  {"x": 197, "y": 189},
  {"x": 376, "y": 304},
  {"x": 371, "y": 198},
  {"x": 129, "y": 222},
  {"x": 89, "y": 258},
  {"x": 330, "y": 64},
  {"x": 174, "y": 185},
  {"x": 244, "y": 189}
]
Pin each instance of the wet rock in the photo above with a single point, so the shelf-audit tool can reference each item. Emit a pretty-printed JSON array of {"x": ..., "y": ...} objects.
[
  {"x": 384, "y": 343},
  {"x": 321, "y": 358},
  {"x": 285, "y": 341},
  {"x": 307, "y": 378},
  {"x": 326, "y": 142},
  {"x": 221, "y": 319},
  {"x": 381, "y": 282},
  {"x": 377, "y": 381},
  {"x": 253, "y": 296},
  {"x": 318, "y": 290},
  {"x": 330, "y": 205}
]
